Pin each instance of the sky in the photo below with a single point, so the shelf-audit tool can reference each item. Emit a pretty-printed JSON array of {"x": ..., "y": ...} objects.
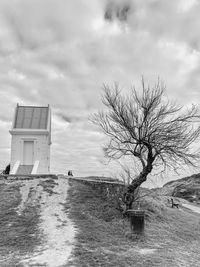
[{"x": 62, "y": 52}]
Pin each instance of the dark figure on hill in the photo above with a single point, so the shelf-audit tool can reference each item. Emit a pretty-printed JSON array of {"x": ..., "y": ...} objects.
[
  {"x": 70, "y": 173},
  {"x": 7, "y": 169}
]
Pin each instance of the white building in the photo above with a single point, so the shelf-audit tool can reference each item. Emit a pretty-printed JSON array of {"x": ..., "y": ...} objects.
[{"x": 31, "y": 140}]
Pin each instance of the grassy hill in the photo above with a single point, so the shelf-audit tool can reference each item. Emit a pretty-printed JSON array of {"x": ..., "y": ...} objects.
[
  {"x": 187, "y": 188},
  {"x": 18, "y": 232},
  {"x": 103, "y": 238},
  {"x": 172, "y": 236}
]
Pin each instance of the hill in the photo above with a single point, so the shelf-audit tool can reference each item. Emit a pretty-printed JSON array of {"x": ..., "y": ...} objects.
[
  {"x": 187, "y": 188},
  {"x": 56, "y": 221},
  {"x": 172, "y": 236}
]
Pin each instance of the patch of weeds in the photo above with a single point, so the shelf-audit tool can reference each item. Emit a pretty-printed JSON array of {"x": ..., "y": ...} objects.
[
  {"x": 48, "y": 185},
  {"x": 104, "y": 239},
  {"x": 19, "y": 234}
]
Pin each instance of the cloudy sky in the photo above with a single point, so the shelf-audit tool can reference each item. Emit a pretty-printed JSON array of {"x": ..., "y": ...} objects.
[{"x": 61, "y": 52}]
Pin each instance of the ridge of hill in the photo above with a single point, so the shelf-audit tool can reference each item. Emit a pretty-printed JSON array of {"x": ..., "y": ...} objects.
[{"x": 187, "y": 188}]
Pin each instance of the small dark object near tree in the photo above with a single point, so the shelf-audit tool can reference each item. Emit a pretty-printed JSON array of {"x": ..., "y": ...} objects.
[
  {"x": 7, "y": 169},
  {"x": 136, "y": 221},
  {"x": 151, "y": 130},
  {"x": 70, "y": 173},
  {"x": 174, "y": 204}
]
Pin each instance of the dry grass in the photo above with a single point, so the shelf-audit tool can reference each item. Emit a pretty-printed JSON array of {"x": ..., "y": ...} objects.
[
  {"x": 48, "y": 185},
  {"x": 18, "y": 233},
  {"x": 172, "y": 236}
]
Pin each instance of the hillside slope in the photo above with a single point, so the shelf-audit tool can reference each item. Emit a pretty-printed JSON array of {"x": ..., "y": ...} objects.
[
  {"x": 187, "y": 188},
  {"x": 172, "y": 236},
  {"x": 55, "y": 222}
]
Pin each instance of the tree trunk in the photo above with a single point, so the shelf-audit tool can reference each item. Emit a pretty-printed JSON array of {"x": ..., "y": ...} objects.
[{"x": 129, "y": 196}]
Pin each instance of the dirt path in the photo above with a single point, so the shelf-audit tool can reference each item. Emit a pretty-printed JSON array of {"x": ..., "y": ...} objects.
[
  {"x": 57, "y": 231},
  {"x": 192, "y": 207}
]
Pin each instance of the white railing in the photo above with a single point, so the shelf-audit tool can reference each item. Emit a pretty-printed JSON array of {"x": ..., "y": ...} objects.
[
  {"x": 35, "y": 167},
  {"x": 15, "y": 167}
]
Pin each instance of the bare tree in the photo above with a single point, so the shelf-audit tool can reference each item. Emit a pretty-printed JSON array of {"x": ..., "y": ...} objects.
[
  {"x": 126, "y": 174},
  {"x": 151, "y": 129}
]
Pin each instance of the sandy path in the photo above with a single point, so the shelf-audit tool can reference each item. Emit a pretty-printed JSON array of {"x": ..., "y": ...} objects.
[
  {"x": 56, "y": 228},
  {"x": 192, "y": 207}
]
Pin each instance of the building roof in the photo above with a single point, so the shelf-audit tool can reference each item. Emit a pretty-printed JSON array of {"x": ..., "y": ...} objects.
[{"x": 31, "y": 117}]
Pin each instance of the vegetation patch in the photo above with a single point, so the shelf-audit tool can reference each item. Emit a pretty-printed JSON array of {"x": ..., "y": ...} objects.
[
  {"x": 172, "y": 236},
  {"x": 186, "y": 188},
  {"x": 48, "y": 185},
  {"x": 18, "y": 232}
]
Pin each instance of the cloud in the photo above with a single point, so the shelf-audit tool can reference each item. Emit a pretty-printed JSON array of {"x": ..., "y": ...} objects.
[
  {"x": 71, "y": 118},
  {"x": 177, "y": 20},
  {"x": 118, "y": 10},
  {"x": 41, "y": 23}
]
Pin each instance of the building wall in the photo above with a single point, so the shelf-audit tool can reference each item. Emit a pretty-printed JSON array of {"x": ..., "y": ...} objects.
[{"x": 41, "y": 150}]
